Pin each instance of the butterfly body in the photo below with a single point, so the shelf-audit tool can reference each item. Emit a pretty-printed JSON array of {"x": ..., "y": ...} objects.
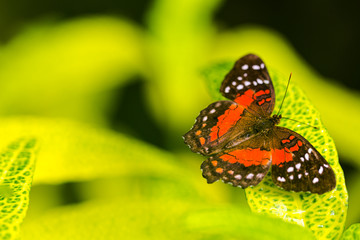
[{"x": 242, "y": 140}]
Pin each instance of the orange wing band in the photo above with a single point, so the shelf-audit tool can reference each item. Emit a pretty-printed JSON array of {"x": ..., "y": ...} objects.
[
  {"x": 226, "y": 121},
  {"x": 232, "y": 115},
  {"x": 248, "y": 157},
  {"x": 280, "y": 156}
]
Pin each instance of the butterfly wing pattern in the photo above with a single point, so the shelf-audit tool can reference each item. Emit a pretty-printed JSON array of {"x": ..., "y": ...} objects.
[
  {"x": 212, "y": 127},
  {"x": 245, "y": 165},
  {"x": 298, "y": 166},
  {"x": 249, "y": 75},
  {"x": 242, "y": 141}
]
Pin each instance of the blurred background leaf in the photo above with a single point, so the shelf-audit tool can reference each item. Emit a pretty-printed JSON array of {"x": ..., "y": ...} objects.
[
  {"x": 157, "y": 219},
  {"x": 180, "y": 37},
  {"x": 79, "y": 152},
  {"x": 352, "y": 233},
  {"x": 69, "y": 69}
]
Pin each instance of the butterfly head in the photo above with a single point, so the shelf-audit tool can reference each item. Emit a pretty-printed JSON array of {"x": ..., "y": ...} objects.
[{"x": 276, "y": 119}]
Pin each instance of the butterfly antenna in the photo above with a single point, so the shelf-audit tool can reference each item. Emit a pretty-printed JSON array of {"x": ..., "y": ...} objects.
[
  {"x": 300, "y": 122},
  {"x": 284, "y": 94}
]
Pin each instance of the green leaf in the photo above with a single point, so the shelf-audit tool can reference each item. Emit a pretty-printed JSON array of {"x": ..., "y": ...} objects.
[
  {"x": 353, "y": 185},
  {"x": 125, "y": 218},
  {"x": 17, "y": 163},
  {"x": 74, "y": 65},
  {"x": 324, "y": 214},
  {"x": 179, "y": 40},
  {"x": 72, "y": 151},
  {"x": 352, "y": 233}
]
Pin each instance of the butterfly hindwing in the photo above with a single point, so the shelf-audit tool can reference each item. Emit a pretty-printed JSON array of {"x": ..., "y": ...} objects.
[
  {"x": 249, "y": 77},
  {"x": 298, "y": 166},
  {"x": 243, "y": 166}
]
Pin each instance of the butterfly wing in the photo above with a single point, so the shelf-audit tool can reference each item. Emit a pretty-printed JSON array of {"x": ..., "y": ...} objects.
[
  {"x": 243, "y": 166},
  {"x": 229, "y": 122},
  {"x": 298, "y": 166},
  {"x": 249, "y": 77},
  {"x": 214, "y": 127}
]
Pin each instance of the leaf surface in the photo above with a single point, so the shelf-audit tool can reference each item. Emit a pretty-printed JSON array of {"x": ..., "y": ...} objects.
[
  {"x": 157, "y": 219},
  {"x": 17, "y": 162},
  {"x": 352, "y": 233},
  {"x": 73, "y": 151}
]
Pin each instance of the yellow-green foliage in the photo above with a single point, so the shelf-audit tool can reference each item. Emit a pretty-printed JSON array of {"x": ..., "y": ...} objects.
[
  {"x": 352, "y": 233},
  {"x": 17, "y": 163},
  {"x": 157, "y": 219}
]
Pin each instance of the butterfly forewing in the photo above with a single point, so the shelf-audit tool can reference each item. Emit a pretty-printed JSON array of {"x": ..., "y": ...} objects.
[
  {"x": 249, "y": 77},
  {"x": 298, "y": 166},
  {"x": 221, "y": 125},
  {"x": 212, "y": 127}
]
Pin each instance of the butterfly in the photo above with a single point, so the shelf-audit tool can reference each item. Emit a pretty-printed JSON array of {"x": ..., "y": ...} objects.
[{"x": 241, "y": 138}]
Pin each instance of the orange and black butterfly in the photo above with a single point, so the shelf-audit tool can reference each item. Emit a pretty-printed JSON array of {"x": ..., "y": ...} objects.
[{"x": 242, "y": 141}]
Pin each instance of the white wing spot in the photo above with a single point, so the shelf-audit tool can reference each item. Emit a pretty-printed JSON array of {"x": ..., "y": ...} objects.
[
  {"x": 238, "y": 177},
  {"x": 299, "y": 176},
  {"x": 306, "y": 173},
  {"x": 307, "y": 156},
  {"x": 310, "y": 150},
  {"x": 298, "y": 166},
  {"x": 247, "y": 83},
  {"x": 240, "y": 86},
  {"x": 259, "y": 175},
  {"x": 250, "y": 176},
  {"x": 281, "y": 179},
  {"x": 321, "y": 169},
  {"x": 245, "y": 67},
  {"x": 205, "y": 118},
  {"x": 290, "y": 169},
  {"x": 302, "y": 159},
  {"x": 245, "y": 74},
  {"x": 266, "y": 81},
  {"x": 254, "y": 83},
  {"x": 212, "y": 110},
  {"x": 239, "y": 78},
  {"x": 262, "y": 65},
  {"x": 291, "y": 177},
  {"x": 234, "y": 83},
  {"x": 326, "y": 165},
  {"x": 315, "y": 180},
  {"x": 227, "y": 89},
  {"x": 256, "y": 67},
  {"x": 259, "y": 81},
  {"x": 217, "y": 104}
]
